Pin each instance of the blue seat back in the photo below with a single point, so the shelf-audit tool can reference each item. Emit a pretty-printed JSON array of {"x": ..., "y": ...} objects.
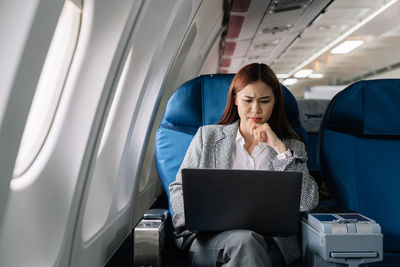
[
  {"x": 200, "y": 101},
  {"x": 359, "y": 153}
]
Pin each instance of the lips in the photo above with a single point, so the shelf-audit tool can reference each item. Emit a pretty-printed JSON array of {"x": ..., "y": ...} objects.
[{"x": 254, "y": 119}]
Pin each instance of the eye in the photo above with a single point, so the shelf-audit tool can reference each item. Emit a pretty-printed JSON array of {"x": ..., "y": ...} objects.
[{"x": 265, "y": 101}]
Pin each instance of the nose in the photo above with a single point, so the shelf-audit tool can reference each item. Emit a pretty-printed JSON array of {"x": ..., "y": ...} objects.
[{"x": 255, "y": 107}]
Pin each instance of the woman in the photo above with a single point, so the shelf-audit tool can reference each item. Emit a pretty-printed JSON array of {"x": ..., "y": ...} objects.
[{"x": 253, "y": 133}]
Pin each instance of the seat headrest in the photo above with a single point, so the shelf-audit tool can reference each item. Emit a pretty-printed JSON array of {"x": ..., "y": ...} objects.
[
  {"x": 201, "y": 101},
  {"x": 366, "y": 108},
  {"x": 311, "y": 113}
]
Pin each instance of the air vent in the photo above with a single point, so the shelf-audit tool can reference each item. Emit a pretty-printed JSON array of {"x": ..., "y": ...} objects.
[
  {"x": 265, "y": 45},
  {"x": 288, "y": 5},
  {"x": 276, "y": 29}
]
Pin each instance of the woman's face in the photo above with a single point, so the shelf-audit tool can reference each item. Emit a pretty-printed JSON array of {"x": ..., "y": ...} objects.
[{"x": 255, "y": 103}]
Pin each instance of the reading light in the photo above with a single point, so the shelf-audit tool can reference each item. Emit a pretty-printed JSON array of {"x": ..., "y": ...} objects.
[
  {"x": 316, "y": 76},
  {"x": 282, "y": 76},
  {"x": 290, "y": 81},
  {"x": 347, "y": 46},
  {"x": 303, "y": 73}
]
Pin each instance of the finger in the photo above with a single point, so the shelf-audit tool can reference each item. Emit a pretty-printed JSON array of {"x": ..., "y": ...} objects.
[
  {"x": 263, "y": 137},
  {"x": 258, "y": 133},
  {"x": 255, "y": 132},
  {"x": 252, "y": 128}
]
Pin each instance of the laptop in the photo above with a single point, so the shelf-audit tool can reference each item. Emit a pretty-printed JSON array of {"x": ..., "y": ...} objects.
[{"x": 267, "y": 202}]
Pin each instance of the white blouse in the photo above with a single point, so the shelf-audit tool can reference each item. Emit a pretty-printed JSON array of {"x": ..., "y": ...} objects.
[{"x": 241, "y": 159}]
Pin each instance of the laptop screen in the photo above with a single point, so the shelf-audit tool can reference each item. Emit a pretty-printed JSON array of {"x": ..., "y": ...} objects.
[{"x": 267, "y": 202}]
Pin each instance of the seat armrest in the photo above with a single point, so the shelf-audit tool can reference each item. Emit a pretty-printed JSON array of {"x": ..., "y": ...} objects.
[
  {"x": 149, "y": 238},
  {"x": 156, "y": 214},
  {"x": 340, "y": 239}
]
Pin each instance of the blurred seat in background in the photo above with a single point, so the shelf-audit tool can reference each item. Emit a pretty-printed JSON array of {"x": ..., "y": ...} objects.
[
  {"x": 311, "y": 112},
  {"x": 359, "y": 156}
]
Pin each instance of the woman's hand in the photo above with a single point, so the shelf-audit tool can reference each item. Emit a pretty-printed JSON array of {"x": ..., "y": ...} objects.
[{"x": 264, "y": 133}]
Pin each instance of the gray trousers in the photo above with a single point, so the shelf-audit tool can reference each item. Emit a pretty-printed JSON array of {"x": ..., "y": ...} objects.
[{"x": 234, "y": 248}]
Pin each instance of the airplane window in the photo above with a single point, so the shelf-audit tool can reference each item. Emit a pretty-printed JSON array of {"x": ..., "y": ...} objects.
[
  {"x": 49, "y": 88},
  {"x": 117, "y": 97}
]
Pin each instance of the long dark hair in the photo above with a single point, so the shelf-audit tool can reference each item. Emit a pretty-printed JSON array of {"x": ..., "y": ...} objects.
[{"x": 252, "y": 73}]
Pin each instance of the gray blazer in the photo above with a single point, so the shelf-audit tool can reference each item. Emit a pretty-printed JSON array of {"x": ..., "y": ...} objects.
[{"x": 212, "y": 147}]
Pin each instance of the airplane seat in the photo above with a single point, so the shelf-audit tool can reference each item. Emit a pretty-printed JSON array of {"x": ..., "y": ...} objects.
[
  {"x": 200, "y": 101},
  {"x": 311, "y": 112},
  {"x": 359, "y": 146}
]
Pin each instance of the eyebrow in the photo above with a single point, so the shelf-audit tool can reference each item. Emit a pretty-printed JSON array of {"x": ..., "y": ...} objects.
[{"x": 263, "y": 97}]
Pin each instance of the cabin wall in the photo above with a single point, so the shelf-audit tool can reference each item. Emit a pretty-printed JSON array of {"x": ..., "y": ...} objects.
[
  {"x": 200, "y": 37},
  {"x": 26, "y": 30},
  {"x": 95, "y": 174}
]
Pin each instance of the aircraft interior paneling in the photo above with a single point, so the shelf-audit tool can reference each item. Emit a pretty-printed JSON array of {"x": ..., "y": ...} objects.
[{"x": 85, "y": 84}]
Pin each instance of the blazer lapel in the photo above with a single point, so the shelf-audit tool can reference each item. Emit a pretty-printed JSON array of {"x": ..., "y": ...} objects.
[{"x": 224, "y": 146}]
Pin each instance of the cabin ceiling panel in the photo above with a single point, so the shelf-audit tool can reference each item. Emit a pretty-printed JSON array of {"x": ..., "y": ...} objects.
[
  {"x": 325, "y": 30},
  {"x": 235, "y": 64},
  {"x": 269, "y": 38},
  {"x": 358, "y": 3},
  {"x": 376, "y": 54},
  {"x": 312, "y": 40},
  {"x": 302, "y": 36},
  {"x": 276, "y": 22},
  {"x": 369, "y": 59},
  {"x": 343, "y": 15},
  {"x": 252, "y": 18},
  {"x": 263, "y": 51},
  {"x": 270, "y": 27},
  {"x": 240, "y": 48}
]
